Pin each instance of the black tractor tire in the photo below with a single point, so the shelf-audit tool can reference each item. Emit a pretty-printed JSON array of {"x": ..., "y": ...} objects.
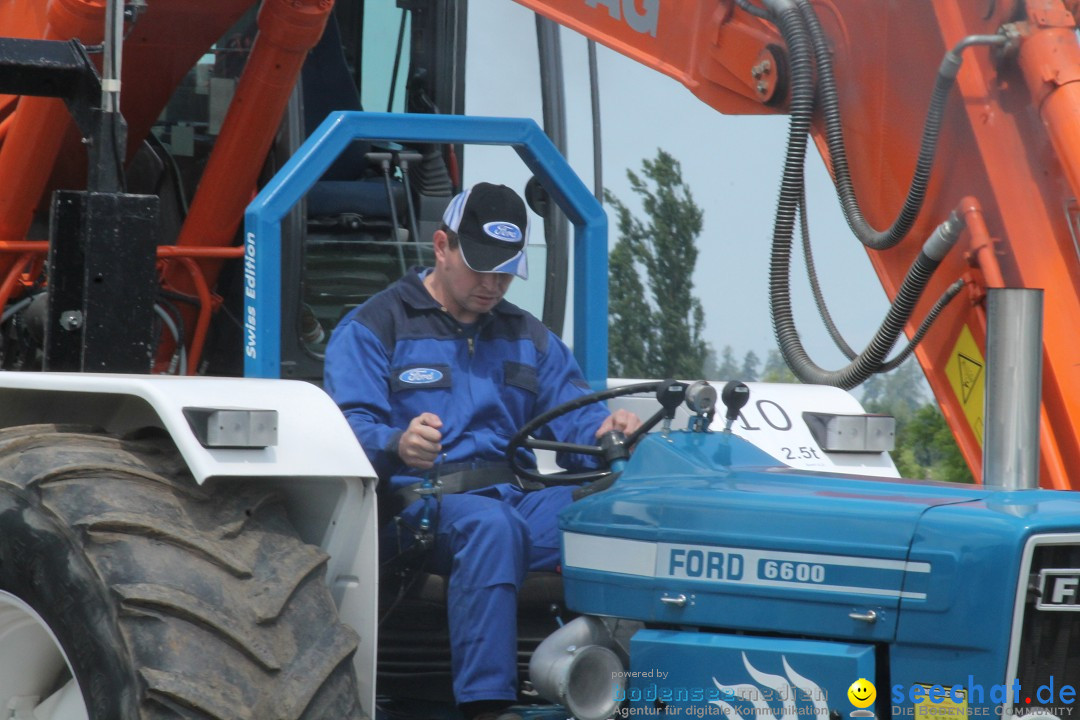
[{"x": 170, "y": 600}]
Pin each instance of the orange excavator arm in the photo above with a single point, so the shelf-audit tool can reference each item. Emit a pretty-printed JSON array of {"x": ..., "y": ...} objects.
[
  {"x": 1007, "y": 161},
  {"x": 39, "y": 144},
  {"x": 728, "y": 62}
]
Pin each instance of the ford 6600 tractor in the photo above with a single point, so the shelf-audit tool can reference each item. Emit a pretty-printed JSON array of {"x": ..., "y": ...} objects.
[{"x": 188, "y": 527}]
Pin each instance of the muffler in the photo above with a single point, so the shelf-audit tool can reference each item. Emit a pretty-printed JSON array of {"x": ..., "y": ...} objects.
[{"x": 575, "y": 666}]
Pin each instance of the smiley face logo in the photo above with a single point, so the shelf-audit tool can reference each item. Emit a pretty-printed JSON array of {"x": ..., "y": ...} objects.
[{"x": 862, "y": 693}]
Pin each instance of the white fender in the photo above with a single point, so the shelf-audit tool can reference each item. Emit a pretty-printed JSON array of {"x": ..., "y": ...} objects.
[
  {"x": 316, "y": 462},
  {"x": 314, "y": 440}
]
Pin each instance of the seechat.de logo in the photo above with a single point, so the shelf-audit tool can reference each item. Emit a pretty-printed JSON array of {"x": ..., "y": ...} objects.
[{"x": 420, "y": 376}]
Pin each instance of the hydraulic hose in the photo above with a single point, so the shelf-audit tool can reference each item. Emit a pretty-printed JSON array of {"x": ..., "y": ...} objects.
[
  {"x": 869, "y": 360},
  {"x": 791, "y": 26},
  {"x": 834, "y": 134},
  {"x": 834, "y": 332},
  {"x": 946, "y": 297},
  {"x": 796, "y": 30},
  {"x": 788, "y": 20},
  {"x": 815, "y": 286},
  {"x": 754, "y": 9},
  {"x": 432, "y": 177}
]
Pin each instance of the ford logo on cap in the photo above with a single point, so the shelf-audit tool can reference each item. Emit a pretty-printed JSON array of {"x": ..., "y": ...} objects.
[
  {"x": 420, "y": 376},
  {"x": 507, "y": 232}
]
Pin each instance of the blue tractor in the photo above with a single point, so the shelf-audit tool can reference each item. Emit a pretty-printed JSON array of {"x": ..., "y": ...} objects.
[
  {"x": 756, "y": 554},
  {"x": 206, "y": 546}
]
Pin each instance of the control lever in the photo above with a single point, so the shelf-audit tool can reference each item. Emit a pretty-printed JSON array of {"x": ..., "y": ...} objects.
[
  {"x": 384, "y": 160},
  {"x": 701, "y": 399},
  {"x": 429, "y": 490},
  {"x": 616, "y": 451},
  {"x": 735, "y": 395},
  {"x": 403, "y": 159},
  {"x": 670, "y": 394}
]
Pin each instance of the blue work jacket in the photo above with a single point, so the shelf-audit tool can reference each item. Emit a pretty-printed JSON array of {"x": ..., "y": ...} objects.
[{"x": 401, "y": 354}]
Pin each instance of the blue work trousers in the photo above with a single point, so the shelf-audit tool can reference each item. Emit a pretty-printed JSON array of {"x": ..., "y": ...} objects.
[{"x": 485, "y": 542}]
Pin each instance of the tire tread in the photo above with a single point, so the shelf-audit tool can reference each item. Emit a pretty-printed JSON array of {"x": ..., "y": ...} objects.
[
  {"x": 185, "y": 606},
  {"x": 224, "y": 613}
]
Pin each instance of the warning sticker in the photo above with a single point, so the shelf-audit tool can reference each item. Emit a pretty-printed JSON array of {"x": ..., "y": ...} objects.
[
  {"x": 943, "y": 703},
  {"x": 967, "y": 376}
]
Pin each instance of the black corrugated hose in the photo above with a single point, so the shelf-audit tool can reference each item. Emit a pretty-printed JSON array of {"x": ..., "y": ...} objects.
[
  {"x": 834, "y": 134},
  {"x": 872, "y": 358},
  {"x": 796, "y": 29},
  {"x": 754, "y": 9},
  {"x": 823, "y": 310},
  {"x": 815, "y": 286},
  {"x": 950, "y": 66},
  {"x": 946, "y": 297},
  {"x": 791, "y": 24}
]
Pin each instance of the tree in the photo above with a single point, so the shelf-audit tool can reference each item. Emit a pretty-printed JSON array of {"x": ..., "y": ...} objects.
[
  {"x": 928, "y": 449},
  {"x": 710, "y": 370},
  {"x": 749, "y": 370},
  {"x": 776, "y": 370},
  {"x": 728, "y": 369},
  {"x": 925, "y": 447},
  {"x": 629, "y": 312},
  {"x": 656, "y": 325},
  {"x": 900, "y": 393}
]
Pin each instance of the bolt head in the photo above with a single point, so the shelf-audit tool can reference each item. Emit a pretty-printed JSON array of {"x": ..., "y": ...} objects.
[{"x": 71, "y": 320}]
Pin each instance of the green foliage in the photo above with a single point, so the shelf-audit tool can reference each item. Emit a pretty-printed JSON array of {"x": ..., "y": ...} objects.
[
  {"x": 899, "y": 393},
  {"x": 656, "y": 326},
  {"x": 710, "y": 369},
  {"x": 925, "y": 447},
  {"x": 628, "y": 348},
  {"x": 776, "y": 370},
  {"x": 728, "y": 368},
  {"x": 749, "y": 370},
  {"x": 656, "y": 323}
]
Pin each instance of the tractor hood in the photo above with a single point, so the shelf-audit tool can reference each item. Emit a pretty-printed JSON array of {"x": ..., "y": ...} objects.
[{"x": 704, "y": 529}]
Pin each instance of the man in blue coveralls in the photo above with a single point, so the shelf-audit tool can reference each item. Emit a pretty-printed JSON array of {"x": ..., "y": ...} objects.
[{"x": 438, "y": 369}]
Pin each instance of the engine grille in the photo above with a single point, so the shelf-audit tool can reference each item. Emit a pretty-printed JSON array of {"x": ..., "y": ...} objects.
[{"x": 1049, "y": 645}]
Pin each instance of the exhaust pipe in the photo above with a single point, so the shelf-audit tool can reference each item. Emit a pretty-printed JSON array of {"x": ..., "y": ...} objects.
[
  {"x": 574, "y": 667},
  {"x": 1013, "y": 388}
]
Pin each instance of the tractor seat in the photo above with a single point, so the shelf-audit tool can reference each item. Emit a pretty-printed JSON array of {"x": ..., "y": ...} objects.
[{"x": 366, "y": 197}]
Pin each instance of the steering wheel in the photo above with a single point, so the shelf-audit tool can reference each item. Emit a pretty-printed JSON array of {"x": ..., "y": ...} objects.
[{"x": 612, "y": 446}]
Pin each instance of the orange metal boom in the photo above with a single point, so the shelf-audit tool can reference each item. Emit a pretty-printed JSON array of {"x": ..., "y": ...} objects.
[
  {"x": 37, "y": 127},
  {"x": 39, "y": 146},
  {"x": 1009, "y": 158}
]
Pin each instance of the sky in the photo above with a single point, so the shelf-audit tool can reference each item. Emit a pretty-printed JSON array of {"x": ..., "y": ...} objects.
[{"x": 732, "y": 165}]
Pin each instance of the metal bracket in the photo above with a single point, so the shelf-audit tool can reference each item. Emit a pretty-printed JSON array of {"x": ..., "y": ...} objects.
[{"x": 52, "y": 68}]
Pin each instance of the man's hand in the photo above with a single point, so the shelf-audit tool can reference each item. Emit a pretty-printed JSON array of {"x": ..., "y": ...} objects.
[
  {"x": 622, "y": 420},
  {"x": 420, "y": 444}
]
